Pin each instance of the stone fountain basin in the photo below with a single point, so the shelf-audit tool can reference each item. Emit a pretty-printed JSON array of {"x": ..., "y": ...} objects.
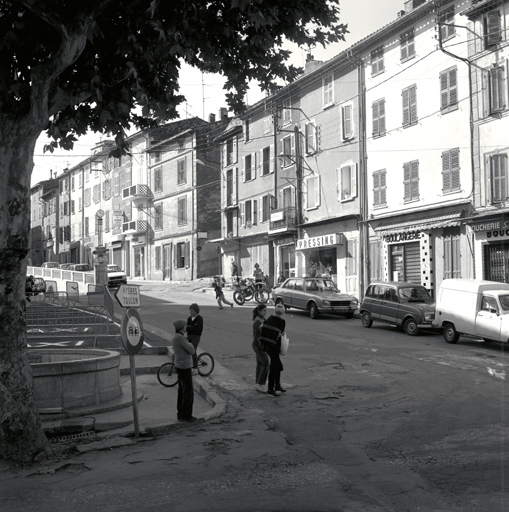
[{"x": 71, "y": 377}]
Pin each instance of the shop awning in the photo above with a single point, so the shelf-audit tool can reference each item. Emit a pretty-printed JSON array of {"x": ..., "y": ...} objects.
[{"x": 420, "y": 223}]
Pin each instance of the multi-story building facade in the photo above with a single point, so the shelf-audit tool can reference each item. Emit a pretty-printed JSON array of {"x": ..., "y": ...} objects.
[
  {"x": 485, "y": 25},
  {"x": 418, "y": 146},
  {"x": 183, "y": 172},
  {"x": 44, "y": 204}
]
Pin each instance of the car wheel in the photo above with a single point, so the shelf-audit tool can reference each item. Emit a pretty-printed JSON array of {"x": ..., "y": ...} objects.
[
  {"x": 450, "y": 334},
  {"x": 411, "y": 327},
  {"x": 349, "y": 315},
  {"x": 366, "y": 320},
  {"x": 313, "y": 311}
]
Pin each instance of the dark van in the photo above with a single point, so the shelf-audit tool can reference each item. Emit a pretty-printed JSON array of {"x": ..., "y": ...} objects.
[{"x": 404, "y": 304}]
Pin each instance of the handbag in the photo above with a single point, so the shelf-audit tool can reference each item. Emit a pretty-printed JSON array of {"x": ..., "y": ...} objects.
[{"x": 285, "y": 342}]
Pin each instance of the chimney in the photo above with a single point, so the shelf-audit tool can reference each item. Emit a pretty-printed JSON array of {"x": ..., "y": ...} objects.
[
  {"x": 212, "y": 118},
  {"x": 401, "y": 13},
  {"x": 223, "y": 113}
]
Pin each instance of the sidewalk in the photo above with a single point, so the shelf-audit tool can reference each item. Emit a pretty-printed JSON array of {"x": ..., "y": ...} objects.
[{"x": 157, "y": 406}]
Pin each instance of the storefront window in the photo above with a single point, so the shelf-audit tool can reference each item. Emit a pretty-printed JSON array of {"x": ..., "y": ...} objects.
[{"x": 321, "y": 262}]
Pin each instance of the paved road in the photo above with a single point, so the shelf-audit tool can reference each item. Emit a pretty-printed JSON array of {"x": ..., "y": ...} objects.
[{"x": 373, "y": 420}]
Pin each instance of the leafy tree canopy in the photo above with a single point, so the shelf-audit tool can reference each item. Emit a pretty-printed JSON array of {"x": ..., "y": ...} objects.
[{"x": 86, "y": 65}]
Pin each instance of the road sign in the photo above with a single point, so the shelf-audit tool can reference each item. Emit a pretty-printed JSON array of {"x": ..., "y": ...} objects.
[
  {"x": 131, "y": 331},
  {"x": 128, "y": 296}
]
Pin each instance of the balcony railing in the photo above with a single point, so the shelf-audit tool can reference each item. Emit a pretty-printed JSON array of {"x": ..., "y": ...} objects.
[
  {"x": 283, "y": 219},
  {"x": 136, "y": 192},
  {"x": 135, "y": 226}
]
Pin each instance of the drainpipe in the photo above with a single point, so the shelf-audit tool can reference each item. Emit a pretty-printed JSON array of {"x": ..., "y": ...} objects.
[
  {"x": 363, "y": 195},
  {"x": 298, "y": 172}
]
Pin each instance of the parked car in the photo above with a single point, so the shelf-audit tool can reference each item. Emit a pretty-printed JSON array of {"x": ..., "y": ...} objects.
[
  {"x": 404, "y": 304},
  {"x": 80, "y": 267},
  {"x": 473, "y": 307},
  {"x": 50, "y": 264},
  {"x": 317, "y": 295},
  {"x": 39, "y": 286},
  {"x": 64, "y": 266},
  {"x": 116, "y": 276}
]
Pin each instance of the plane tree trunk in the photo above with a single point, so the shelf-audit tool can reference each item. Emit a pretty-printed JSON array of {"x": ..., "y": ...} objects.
[{"x": 21, "y": 434}]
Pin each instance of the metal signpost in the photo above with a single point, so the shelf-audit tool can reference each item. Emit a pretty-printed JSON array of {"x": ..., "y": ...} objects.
[{"x": 132, "y": 338}]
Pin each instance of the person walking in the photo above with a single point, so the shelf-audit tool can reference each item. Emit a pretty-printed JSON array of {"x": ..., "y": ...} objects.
[
  {"x": 270, "y": 335},
  {"x": 194, "y": 329},
  {"x": 182, "y": 352},
  {"x": 262, "y": 359},
  {"x": 220, "y": 295}
]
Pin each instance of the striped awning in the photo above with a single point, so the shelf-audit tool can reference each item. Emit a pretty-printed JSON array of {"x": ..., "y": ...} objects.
[{"x": 420, "y": 223}]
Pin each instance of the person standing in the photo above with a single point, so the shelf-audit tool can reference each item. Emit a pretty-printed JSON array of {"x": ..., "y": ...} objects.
[
  {"x": 258, "y": 273},
  {"x": 220, "y": 295},
  {"x": 182, "y": 353},
  {"x": 270, "y": 336},
  {"x": 194, "y": 330},
  {"x": 262, "y": 359}
]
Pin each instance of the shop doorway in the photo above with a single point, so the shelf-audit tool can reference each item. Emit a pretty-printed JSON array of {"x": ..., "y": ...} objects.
[
  {"x": 496, "y": 265},
  {"x": 405, "y": 263},
  {"x": 288, "y": 261},
  {"x": 167, "y": 261},
  {"x": 139, "y": 261}
]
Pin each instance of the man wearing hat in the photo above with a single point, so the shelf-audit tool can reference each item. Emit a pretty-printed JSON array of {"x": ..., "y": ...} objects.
[{"x": 182, "y": 353}]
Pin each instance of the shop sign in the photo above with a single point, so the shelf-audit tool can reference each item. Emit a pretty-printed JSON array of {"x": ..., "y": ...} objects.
[
  {"x": 492, "y": 225},
  {"x": 402, "y": 237},
  {"x": 499, "y": 233},
  {"x": 319, "y": 241},
  {"x": 137, "y": 240},
  {"x": 289, "y": 240}
]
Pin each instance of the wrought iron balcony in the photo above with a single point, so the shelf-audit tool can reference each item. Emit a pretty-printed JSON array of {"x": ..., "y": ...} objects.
[
  {"x": 283, "y": 219},
  {"x": 137, "y": 193},
  {"x": 135, "y": 226}
]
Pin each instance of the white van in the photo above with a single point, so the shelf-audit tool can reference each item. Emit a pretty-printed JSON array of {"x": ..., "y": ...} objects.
[{"x": 473, "y": 307}]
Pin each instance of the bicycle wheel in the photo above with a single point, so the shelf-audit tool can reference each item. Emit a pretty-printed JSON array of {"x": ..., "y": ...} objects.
[
  {"x": 262, "y": 296},
  {"x": 167, "y": 375},
  {"x": 205, "y": 364},
  {"x": 238, "y": 297}
]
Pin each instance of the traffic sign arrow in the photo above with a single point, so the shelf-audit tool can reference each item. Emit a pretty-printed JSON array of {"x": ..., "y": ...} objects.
[{"x": 128, "y": 296}]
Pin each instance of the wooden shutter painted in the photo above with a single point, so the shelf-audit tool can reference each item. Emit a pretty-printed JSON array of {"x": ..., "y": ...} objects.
[
  {"x": 375, "y": 108},
  {"x": 376, "y": 188}
]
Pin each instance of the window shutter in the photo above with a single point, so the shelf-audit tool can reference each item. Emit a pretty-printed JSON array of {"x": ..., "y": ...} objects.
[
  {"x": 456, "y": 257},
  {"x": 254, "y": 211},
  {"x": 497, "y": 89},
  {"x": 376, "y": 188},
  {"x": 223, "y": 153},
  {"x": 347, "y": 121},
  {"x": 383, "y": 187},
  {"x": 234, "y": 187},
  {"x": 271, "y": 152},
  {"x": 453, "y": 87},
  {"x": 243, "y": 172},
  {"x": 375, "y": 107},
  {"x": 444, "y": 96},
  {"x": 413, "y": 104},
  {"x": 446, "y": 172},
  {"x": 253, "y": 166},
  {"x": 353, "y": 175},
  {"x": 493, "y": 28},
  {"x": 406, "y": 107},
  {"x": 234, "y": 159},
  {"x": 406, "y": 180},
  {"x": 486, "y": 93},
  {"x": 338, "y": 183},
  {"x": 317, "y": 190},
  {"x": 447, "y": 258},
  {"x": 242, "y": 214},
  {"x": 414, "y": 178},
  {"x": 455, "y": 169},
  {"x": 187, "y": 254}
]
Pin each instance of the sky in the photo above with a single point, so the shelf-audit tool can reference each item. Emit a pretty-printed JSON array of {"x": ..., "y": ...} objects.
[{"x": 205, "y": 93}]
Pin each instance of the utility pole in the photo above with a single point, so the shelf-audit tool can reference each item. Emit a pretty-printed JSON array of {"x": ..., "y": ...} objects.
[{"x": 298, "y": 188}]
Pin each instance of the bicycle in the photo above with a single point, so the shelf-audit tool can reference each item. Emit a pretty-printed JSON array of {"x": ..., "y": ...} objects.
[
  {"x": 167, "y": 373},
  {"x": 247, "y": 289}
]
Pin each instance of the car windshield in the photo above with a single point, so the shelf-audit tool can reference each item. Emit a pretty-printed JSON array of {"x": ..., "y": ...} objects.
[
  {"x": 320, "y": 285},
  {"x": 504, "y": 302},
  {"x": 82, "y": 268},
  {"x": 114, "y": 268},
  {"x": 414, "y": 294}
]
